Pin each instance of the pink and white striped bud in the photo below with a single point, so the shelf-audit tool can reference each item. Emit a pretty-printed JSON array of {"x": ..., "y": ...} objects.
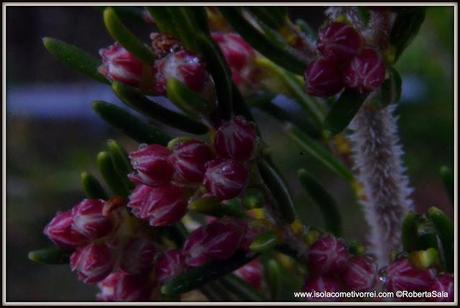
[
  {"x": 59, "y": 231},
  {"x": 124, "y": 287},
  {"x": 323, "y": 78},
  {"x": 218, "y": 240},
  {"x": 443, "y": 283},
  {"x": 239, "y": 56},
  {"x": 366, "y": 72},
  {"x": 185, "y": 67},
  {"x": 251, "y": 273},
  {"x": 339, "y": 41},
  {"x": 138, "y": 256},
  {"x": 327, "y": 255},
  {"x": 161, "y": 206},
  {"x": 189, "y": 159},
  {"x": 151, "y": 165},
  {"x": 322, "y": 284},
  {"x": 360, "y": 274},
  {"x": 401, "y": 275},
  {"x": 92, "y": 263},
  {"x": 89, "y": 219},
  {"x": 236, "y": 139},
  {"x": 170, "y": 265},
  {"x": 119, "y": 65},
  {"x": 225, "y": 179}
]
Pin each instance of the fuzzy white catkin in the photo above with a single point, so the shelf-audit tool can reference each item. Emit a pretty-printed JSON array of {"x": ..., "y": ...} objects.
[{"x": 377, "y": 156}]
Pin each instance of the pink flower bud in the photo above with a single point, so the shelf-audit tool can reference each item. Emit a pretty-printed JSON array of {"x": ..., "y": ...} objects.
[
  {"x": 322, "y": 284},
  {"x": 189, "y": 159},
  {"x": 327, "y": 255},
  {"x": 225, "y": 179},
  {"x": 218, "y": 240},
  {"x": 443, "y": 283},
  {"x": 403, "y": 276},
  {"x": 339, "y": 41},
  {"x": 161, "y": 205},
  {"x": 170, "y": 265},
  {"x": 123, "y": 287},
  {"x": 251, "y": 273},
  {"x": 366, "y": 72},
  {"x": 360, "y": 274},
  {"x": 92, "y": 263},
  {"x": 185, "y": 67},
  {"x": 119, "y": 65},
  {"x": 238, "y": 54},
  {"x": 59, "y": 230},
  {"x": 323, "y": 78},
  {"x": 138, "y": 256},
  {"x": 236, "y": 139},
  {"x": 152, "y": 165},
  {"x": 89, "y": 220}
]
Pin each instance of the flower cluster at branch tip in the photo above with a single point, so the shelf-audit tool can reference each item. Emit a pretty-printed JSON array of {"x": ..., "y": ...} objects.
[{"x": 345, "y": 61}]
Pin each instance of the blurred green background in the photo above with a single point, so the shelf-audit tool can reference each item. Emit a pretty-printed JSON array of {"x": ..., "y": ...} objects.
[{"x": 52, "y": 134}]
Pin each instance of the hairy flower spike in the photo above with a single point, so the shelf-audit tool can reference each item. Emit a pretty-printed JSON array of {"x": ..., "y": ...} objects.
[
  {"x": 151, "y": 165},
  {"x": 225, "y": 179},
  {"x": 92, "y": 263},
  {"x": 323, "y": 78},
  {"x": 123, "y": 287},
  {"x": 59, "y": 231},
  {"x": 366, "y": 72},
  {"x": 339, "y": 41},
  {"x": 189, "y": 159},
  {"x": 163, "y": 205},
  {"x": 89, "y": 220}
]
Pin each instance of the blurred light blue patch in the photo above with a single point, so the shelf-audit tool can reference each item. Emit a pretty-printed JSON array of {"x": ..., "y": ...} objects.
[{"x": 413, "y": 90}]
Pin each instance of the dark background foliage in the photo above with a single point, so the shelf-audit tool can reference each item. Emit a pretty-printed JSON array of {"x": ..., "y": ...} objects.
[{"x": 52, "y": 134}]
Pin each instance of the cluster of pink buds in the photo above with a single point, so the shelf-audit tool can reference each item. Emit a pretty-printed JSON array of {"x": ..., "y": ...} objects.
[
  {"x": 345, "y": 61},
  {"x": 166, "y": 177},
  {"x": 240, "y": 57},
  {"x": 252, "y": 273},
  {"x": 107, "y": 247},
  {"x": 401, "y": 275},
  {"x": 332, "y": 269},
  {"x": 173, "y": 62}
]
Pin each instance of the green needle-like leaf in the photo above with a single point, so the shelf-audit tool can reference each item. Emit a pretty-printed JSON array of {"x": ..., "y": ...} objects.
[
  {"x": 187, "y": 100},
  {"x": 198, "y": 276},
  {"x": 92, "y": 188},
  {"x": 135, "y": 99},
  {"x": 445, "y": 229},
  {"x": 324, "y": 200},
  {"x": 277, "y": 186},
  {"x": 409, "y": 232},
  {"x": 129, "y": 124},
  {"x": 448, "y": 180},
  {"x": 274, "y": 17},
  {"x": 264, "y": 242},
  {"x": 319, "y": 152},
  {"x": 51, "y": 255},
  {"x": 120, "y": 161},
  {"x": 405, "y": 28},
  {"x": 262, "y": 44},
  {"x": 343, "y": 111},
  {"x": 163, "y": 20},
  {"x": 126, "y": 38},
  {"x": 116, "y": 183},
  {"x": 75, "y": 58},
  {"x": 241, "y": 289},
  {"x": 306, "y": 29}
]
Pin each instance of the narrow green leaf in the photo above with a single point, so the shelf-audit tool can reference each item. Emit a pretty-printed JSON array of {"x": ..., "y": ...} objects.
[
  {"x": 409, "y": 232},
  {"x": 51, "y": 255},
  {"x": 448, "y": 180},
  {"x": 343, "y": 111},
  {"x": 274, "y": 52},
  {"x": 277, "y": 186},
  {"x": 129, "y": 124},
  {"x": 281, "y": 282},
  {"x": 135, "y": 99},
  {"x": 127, "y": 13},
  {"x": 253, "y": 198},
  {"x": 75, "y": 58},
  {"x": 221, "y": 290},
  {"x": 318, "y": 152},
  {"x": 445, "y": 229},
  {"x": 187, "y": 100},
  {"x": 241, "y": 289},
  {"x": 274, "y": 17},
  {"x": 126, "y": 38},
  {"x": 306, "y": 29},
  {"x": 92, "y": 188},
  {"x": 405, "y": 28},
  {"x": 324, "y": 200},
  {"x": 116, "y": 183},
  {"x": 120, "y": 161},
  {"x": 390, "y": 91},
  {"x": 264, "y": 242},
  {"x": 200, "y": 17},
  {"x": 198, "y": 276},
  {"x": 163, "y": 20}
]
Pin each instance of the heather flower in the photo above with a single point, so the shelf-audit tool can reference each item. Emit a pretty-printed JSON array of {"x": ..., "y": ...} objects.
[
  {"x": 92, "y": 262},
  {"x": 59, "y": 231},
  {"x": 89, "y": 219},
  {"x": 225, "y": 179}
]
